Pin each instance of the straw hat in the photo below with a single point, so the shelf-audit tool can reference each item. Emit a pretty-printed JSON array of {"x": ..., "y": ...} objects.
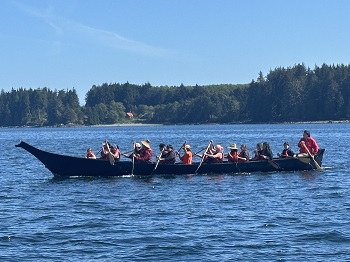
[
  {"x": 233, "y": 146},
  {"x": 146, "y": 143}
]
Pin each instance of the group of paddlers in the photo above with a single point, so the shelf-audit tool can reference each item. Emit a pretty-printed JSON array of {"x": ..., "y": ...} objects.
[{"x": 142, "y": 152}]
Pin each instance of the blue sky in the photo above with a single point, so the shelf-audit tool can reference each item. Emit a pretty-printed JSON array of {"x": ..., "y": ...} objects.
[{"x": 65, "y": 44}]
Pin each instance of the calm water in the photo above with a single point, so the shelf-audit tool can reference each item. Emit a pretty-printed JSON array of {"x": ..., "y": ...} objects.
[{"x": 247, "y": 217}]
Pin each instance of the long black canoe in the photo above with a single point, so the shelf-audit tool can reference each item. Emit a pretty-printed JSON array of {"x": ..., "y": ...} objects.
[{"x": 67, "y": 166}]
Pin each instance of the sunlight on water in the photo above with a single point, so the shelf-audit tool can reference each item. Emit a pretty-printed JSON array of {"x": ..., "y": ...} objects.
[{"x": 279, "y": 216}]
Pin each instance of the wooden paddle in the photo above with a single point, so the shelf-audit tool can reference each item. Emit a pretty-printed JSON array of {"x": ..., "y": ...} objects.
[
  {"x": 158, "y": 161},
  {"x": 110, "y": 156},
  {"x": 312, "y": 157},
  {"x": 200, "y": 163},
  {"x": 182, "y": 146},
  {"x": 133, "y": 159}
]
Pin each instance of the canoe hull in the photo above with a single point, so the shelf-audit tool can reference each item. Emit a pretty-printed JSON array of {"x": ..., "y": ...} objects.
[{"x": 68, "y": 166}]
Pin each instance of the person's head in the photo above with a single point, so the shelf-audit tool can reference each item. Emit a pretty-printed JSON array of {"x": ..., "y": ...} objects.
[
  {"x": 233, "y": 147},
  {"x": 266, "y": 146},
  {"x": 162, "y": 146},
  {"x": 187, "y": 147},
  {"x": 243, "y": 147},
  {"x": 218, "y": 148},
  {"x": 286, "y": 145},
  {"x": 146, "y": 144},
  {"x": 89, "y": 150},
  {"x": 137, "y": 146},
  {"x": 259, "y": 146},
  {"x": 306, "y": 134},
  {"x": 169, "y": 147}
]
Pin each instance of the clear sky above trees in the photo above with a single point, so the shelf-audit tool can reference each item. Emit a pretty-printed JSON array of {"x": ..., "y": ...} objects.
[{"x": 63, "y": 44}]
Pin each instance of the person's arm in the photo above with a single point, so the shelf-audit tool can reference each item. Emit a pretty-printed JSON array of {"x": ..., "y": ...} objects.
[{"x": 315, "y": 147}]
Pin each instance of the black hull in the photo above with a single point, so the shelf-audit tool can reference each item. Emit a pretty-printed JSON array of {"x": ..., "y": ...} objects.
[{"x": 68, "y": 166}]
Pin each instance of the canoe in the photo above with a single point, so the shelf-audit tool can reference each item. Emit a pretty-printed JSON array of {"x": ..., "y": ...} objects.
[{"x": 68, "y": 166}]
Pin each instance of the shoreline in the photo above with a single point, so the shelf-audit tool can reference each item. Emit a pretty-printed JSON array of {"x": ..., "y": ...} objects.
[{"x": 178, "y": 124}]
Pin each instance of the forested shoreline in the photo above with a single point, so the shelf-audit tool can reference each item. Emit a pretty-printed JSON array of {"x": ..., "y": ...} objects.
[{"x": 293, "y": 94}]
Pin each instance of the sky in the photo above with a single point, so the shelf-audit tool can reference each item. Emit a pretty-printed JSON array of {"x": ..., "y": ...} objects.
[{"x": 66, "y": 44}]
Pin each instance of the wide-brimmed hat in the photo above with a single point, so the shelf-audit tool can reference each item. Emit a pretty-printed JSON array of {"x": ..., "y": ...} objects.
[
  {"x": 233, "y": 146},
  {"x": 187, "y": 146},
  {"x": 146, "y": 143}
]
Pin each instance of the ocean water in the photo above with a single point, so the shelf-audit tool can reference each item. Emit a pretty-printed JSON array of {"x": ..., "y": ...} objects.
[{"x": 277, "y": 216}]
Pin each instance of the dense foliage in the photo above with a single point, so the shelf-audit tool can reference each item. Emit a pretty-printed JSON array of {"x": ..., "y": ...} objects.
[
  {"x": 39, "y": 107},
  {"x": 284, "y": 95}
]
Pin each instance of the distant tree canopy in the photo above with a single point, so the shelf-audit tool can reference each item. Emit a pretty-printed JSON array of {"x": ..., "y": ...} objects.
[{"x": 284, "y": 95}]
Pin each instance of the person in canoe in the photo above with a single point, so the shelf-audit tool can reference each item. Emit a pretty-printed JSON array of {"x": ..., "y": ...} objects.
[
  {"x": 186, "y": 158},
  {"x": 169, "y": 157},
  {"x": 105, "y": 151},
  {"x": 215, "y": 156},
  {"x": 232, "y": 156},
  {"x": 90, "y": 153},
  {"x": 243, "y": 155},
  {"x": 266, "y": 152},
  {"x": 287, "y": 151},
  {"x": 115, "y": 152},
  {"x": 145, "y": 153},
  {"x": 163, "y": 153},
  {"x": 307, "y": 143},
  {"x": 136, "y": 151},
  {"x": 258, "y": 152}
]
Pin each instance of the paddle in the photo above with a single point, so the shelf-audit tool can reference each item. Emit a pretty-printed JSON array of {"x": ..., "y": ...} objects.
[
  {"x": 312, "y": 157},
  {"x": 200, "y": 163},
  {"x": 133, "y": 160},
  {"x": 110, "y": 156},
  {"x": 182, "y": 146},
  {"x": 158, "y": 161},
  {"x": 273, "y": 163}
]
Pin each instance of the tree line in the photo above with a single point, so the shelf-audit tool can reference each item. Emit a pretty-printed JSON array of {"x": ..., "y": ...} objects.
[{"x": 290, "y": 94}]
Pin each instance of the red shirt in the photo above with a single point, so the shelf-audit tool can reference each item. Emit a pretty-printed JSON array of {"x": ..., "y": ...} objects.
[
  {"x": 187, "y": 158},
  {"x": 310, "y": 143},
  {"x": 145, "y": 155}
]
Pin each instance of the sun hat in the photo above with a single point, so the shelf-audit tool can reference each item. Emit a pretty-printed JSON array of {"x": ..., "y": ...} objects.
[
  {"x": 233, "y": 146},
  {"x": 146, "y": 143},
  {"x": 187, "y": 146}
]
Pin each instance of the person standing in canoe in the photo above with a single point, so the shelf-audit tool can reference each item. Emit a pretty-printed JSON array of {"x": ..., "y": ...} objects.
[
  {"x": 186, "y": 158},
  {"x": 309, "y": 142},
  {"x": 145, "y": 153}
]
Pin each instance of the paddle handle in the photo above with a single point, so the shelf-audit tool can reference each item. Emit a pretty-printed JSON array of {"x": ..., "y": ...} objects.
[{"x": 312, "y": 157}]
